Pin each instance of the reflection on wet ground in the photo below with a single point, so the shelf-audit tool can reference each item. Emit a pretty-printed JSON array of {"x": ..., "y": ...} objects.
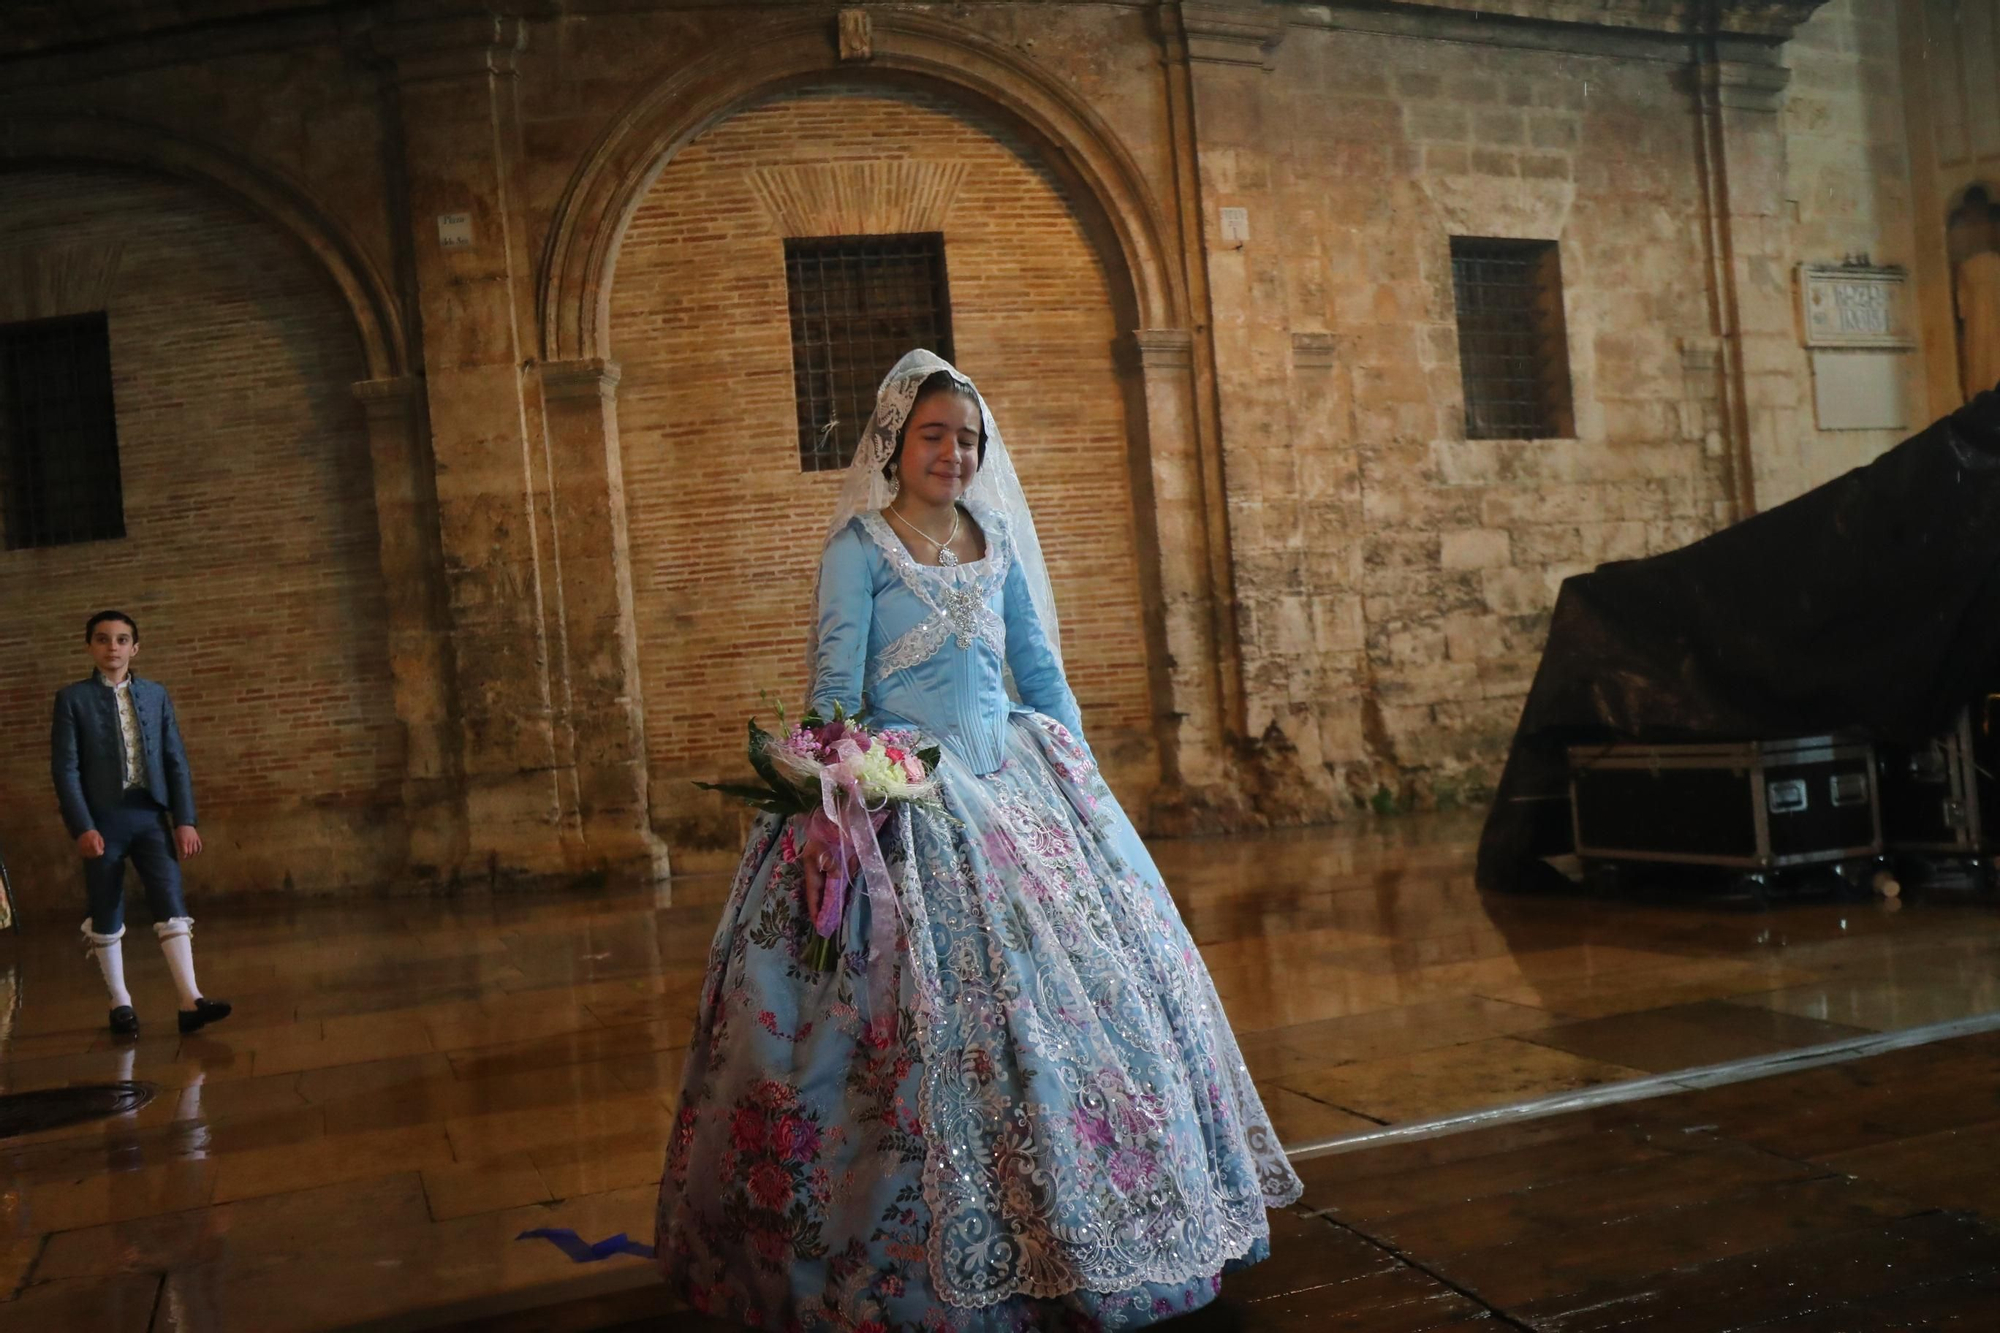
[{"x": 406, "y": 1086}]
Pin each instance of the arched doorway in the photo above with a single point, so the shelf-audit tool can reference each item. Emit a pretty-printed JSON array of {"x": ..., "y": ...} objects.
[
  {"x": 250, "y": 546},
  {"x": 724, "y": 524}
]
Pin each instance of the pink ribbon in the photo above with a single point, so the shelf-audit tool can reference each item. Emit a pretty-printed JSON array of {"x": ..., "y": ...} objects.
[{"x": 854, "y": 827}]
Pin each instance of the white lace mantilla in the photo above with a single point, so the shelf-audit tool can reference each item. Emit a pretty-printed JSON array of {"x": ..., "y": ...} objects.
[{"x": 960, "y": 599}]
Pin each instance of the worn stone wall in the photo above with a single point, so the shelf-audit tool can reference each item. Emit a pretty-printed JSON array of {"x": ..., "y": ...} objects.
[
  {"x": 1847, "y": 193},
  {"x": 724, "y": 524},
  {"x": 249, "y": 557},
  {"x": 1394, "y": 577}
]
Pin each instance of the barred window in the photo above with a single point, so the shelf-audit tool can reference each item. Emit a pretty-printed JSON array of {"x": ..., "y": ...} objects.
[
  {"x": 1513, "y": 347},
  {"x": 858, "y": 303},
  {"x": 59, "y": 479}
]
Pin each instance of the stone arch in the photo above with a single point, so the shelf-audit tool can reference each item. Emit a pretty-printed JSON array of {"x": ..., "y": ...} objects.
[
  {"x": 1116, "y": 206},
  {"x": 28, "y": 139},
  {"x": 1972, "y": 223}
]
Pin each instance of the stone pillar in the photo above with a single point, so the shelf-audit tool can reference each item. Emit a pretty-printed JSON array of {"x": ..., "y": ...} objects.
[
  {"x": 1219, "y": 57},
  {"x": 1188, "y": 699},
  {"x": 606, "y": 708},
  {"x": 455, "y": 79},
  {"x": 1740, "y": 93},
  {"x": 420, "y": 663}
]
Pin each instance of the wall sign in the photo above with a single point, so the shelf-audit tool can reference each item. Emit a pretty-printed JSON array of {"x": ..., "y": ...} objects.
[
  {"x": 455, "y": 231},
  {"x": 1849, "y": 307}
]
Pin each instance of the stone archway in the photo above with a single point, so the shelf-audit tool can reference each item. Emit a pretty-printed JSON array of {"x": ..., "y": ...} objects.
[
  {"x": 391, "y": 400},
  {"x": 28, "y": 139},
  {"x": 722, "y": 519},
  {"x": 1137, "y": 244},
  {"x": 247, "y": 539},
  {"x": 1112, "y": 194}
]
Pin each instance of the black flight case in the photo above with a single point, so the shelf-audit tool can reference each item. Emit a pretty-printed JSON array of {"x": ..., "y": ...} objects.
[
  {"x": 1936, "y": 799},
  {"x": 1757, "y": 809}
]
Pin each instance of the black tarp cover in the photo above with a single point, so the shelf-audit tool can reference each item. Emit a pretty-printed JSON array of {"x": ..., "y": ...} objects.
[{"x": 1871, "y": 604}]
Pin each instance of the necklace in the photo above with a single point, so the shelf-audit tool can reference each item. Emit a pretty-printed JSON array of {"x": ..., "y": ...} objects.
[{"x": 946, "y": 556}]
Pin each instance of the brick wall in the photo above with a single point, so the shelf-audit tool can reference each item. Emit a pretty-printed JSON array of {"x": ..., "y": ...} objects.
[
  {"x": 726, "y": 530},
  {"x": 250, "y": 556}
]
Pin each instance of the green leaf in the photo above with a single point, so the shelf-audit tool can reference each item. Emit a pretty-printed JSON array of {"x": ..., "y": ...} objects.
[
  {"x": 930, "y": 757},
  {"x": 763, "y": 798},
  {"x": 742, "y": 791},
  {"x": 759, "y": 738}
]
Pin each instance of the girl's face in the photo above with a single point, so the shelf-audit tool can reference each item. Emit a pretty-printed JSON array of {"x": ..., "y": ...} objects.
[{"x": 940, "y": 449}]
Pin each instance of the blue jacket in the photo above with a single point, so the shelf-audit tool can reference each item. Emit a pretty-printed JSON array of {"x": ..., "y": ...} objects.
[
  {"x": 86, "y": 752},
  {"x": 930, "y": 648}
]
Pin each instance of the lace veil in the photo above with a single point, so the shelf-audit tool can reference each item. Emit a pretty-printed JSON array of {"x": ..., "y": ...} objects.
[{"x": 995, "y": 489}]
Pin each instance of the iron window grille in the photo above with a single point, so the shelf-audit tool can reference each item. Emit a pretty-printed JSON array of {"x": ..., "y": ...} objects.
[
  {"x": 857, "y": 304},
  {"x": 1513, "y": 345},
  {"x": 59, "y": 476}
]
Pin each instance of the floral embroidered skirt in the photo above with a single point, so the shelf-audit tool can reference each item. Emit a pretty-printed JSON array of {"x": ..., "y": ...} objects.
[{"x": 1055, "y": 1132}]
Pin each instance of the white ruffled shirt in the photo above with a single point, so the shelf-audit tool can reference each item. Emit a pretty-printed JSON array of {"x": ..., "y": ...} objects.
[{"x": 128, "y": 731}]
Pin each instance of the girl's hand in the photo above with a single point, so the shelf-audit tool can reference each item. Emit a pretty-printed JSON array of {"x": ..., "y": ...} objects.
[{"x": 814, "y": 860}]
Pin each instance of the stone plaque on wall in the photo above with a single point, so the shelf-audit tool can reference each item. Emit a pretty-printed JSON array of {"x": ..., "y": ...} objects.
[
  {"x": 1848, "y": 306},
  {"x": 1857, "y": 326},
  {"x": 1859, "y": 390}
]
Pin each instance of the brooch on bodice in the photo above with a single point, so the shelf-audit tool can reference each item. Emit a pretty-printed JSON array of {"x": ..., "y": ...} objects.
[{"x": 962, "y": 605}]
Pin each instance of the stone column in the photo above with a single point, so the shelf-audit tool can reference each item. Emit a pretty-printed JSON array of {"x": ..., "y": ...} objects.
[
  {"x": 455, "y": 80},
  {"x": 1740, "y": 93},
  {"x": 1188, "y": 698},
  {"x": 606, "y": 706},
  {"x": 420, "y": 665},
  {"x": 1218, "y": 57}
]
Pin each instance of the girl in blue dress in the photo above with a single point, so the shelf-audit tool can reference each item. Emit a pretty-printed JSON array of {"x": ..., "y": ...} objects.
[{"x": 1014, "y": 1103}]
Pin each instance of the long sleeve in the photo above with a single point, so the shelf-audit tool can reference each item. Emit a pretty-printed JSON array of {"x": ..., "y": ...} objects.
[
  {"x": 846, "y": 608},
  {"x": 173, "y": 757},
  {"x": 66, "y": 772},
  {"x": 1038, "y": 676}
]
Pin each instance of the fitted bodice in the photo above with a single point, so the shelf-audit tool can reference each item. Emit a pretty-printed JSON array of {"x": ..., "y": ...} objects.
[{"x": 930, "y": 647}]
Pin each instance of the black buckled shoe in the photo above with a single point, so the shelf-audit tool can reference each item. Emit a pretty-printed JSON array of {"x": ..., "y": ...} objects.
[
  {"x": 205, "y": 1011},
  {"x": 124, "y": 1021}
]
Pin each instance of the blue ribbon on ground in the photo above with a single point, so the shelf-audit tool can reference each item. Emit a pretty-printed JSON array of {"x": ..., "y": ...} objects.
[{"x": 581, "y": 1251}]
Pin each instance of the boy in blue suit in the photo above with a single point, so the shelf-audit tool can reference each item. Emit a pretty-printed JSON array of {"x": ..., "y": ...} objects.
[{"x": 120, "y": 770}]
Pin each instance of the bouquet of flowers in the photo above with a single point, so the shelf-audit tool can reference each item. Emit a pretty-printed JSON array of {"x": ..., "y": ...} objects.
[{"x": 836, "y": 781}]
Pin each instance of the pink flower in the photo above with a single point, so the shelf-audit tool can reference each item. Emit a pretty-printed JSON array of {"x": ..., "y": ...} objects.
[
  {"x": 1094, "y": 1130},
  {"x": 788, "y": 847},
  {"x": 770, "y": 1246},
  {"x": 769, "y": 1186},
  {"x": 746, "y": 1131},
  {"x": 796, "y": 1139},
  {"x": 913, "y": 768},
  {"x": 1130, "y": 1169}
]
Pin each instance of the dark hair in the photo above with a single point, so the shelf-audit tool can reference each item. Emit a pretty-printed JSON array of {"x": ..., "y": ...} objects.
[
  {"x": 90, "y": 630},
  {"x": 935, "y": 383}
]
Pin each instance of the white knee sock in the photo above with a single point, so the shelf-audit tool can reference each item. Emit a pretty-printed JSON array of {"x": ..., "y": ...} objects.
[
  {"x": 177, "y": 943},
  {"x": 109, "y": 950}
]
